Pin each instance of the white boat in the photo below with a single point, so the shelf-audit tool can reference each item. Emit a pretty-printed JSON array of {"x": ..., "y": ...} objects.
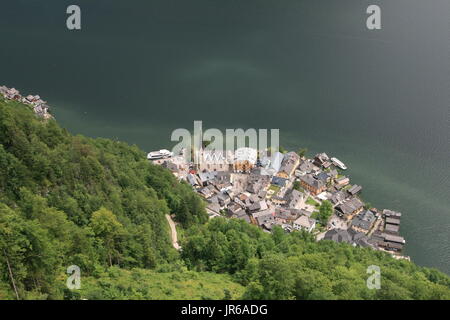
[
  {"x": 161, "y": 154},
  {"x": 339, "y": 163}
]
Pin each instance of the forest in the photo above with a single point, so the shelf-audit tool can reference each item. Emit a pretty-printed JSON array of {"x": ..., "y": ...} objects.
[{"x": 99, "y": 204}]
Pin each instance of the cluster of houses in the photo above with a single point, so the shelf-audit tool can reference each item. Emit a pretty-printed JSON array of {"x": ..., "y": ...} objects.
[
  {"x": 287, "y": 190},
  {"x": 39, "y": 106},
  {"x": 372, "y": 228}
]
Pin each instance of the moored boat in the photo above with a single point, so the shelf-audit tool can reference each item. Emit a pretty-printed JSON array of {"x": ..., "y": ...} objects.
[
  {"x": 161, "y": 154},
  {"x": 339, "y": 163}
]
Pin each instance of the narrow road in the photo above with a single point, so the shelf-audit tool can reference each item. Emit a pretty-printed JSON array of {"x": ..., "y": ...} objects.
[{"x": 173, "y": 230}]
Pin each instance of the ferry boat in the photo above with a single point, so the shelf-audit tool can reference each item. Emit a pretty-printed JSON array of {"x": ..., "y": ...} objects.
[
  {"x": 161, "y": 154},
  {"x": 339, "y": 163}
]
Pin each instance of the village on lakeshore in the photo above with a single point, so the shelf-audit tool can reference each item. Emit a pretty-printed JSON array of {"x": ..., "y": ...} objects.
[
  {"x": 39, "y": 106},
  {"x": 287, "y": 190},
  {"x": 274, "y": 188}
]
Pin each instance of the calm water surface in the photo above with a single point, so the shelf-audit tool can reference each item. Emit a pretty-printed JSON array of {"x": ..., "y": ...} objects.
[{"x": 378, "y": 100}]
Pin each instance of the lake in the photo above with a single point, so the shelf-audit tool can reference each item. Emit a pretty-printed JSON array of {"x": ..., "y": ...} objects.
[{"x": 376, "y": 99}]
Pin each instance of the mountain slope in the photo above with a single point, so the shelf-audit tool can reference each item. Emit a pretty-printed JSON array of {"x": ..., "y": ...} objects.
[
  {"x": 71, "y": 200},
  {"x": 98, "y": 204},
  {"x": 293, "y": 265}
]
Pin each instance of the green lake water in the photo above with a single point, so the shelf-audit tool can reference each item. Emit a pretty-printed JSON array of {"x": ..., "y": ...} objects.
[{"x": 377, "y": 100}]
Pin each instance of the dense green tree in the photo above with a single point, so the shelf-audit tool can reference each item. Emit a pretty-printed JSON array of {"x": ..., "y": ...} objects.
[
  {"x": 276, "y": 279},
  {"x": 297, "y": 185},
  {"x": 295, "y": 266},
  {"x": 325, "y": 212},
  {"x": 28, "y": 258},
  {"x": 55, "y": 182},
  {"x": 107, "y": 228}
]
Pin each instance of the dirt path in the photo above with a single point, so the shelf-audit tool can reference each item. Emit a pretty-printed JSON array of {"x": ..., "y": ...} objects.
[{"x": 173, "y": 230}]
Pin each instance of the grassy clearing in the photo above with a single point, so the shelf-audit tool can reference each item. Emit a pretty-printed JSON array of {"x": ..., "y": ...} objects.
[
  {"x": 312, "y": 202},
  {"x": 274, "y": 188}
]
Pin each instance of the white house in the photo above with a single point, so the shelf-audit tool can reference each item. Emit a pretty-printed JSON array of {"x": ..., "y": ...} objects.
[{"x": 304, "y": 223}]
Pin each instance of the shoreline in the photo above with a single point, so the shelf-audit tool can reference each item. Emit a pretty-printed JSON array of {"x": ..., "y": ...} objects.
[
  {"x": 39, "y": 106},
  {"x": 343, "y": 225},
  {"x": 290, "y": 194}
]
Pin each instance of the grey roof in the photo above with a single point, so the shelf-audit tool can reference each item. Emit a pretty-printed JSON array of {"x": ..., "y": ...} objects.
[
  {"x": 354, "y": 189},
  {"x": 333, "y": 173},
  {"x": 392, "y": 245},
  {"x": 377, "y": 236},
  {"x": 350, "y": 206},
  {"x": 286, "y": 214},
  {"x": 364, "y": 220},
  {"x": 356, "y": 235},
  {"x": 392, "y": 220},
  {"x": 393, "y": 238},
  {"x": 294, "y": 198},
  {"x": 392, "y": 228},
  {"x": 322, "y": 176},
  {"x": 206, "y": 176},
  {"x": 253, "y": 187},
  {"x": 214, "y": 207},
  {"x": 191, "y": 179},
  {"x": 256, "y": 183},
  {"x": 338, "y": 235},
  {"x": 206, "y": 192},
  {"x": 254, "y": 198},
  {"x": 257, "y": 186},
  {"x": 243, "y": 215},
  {"x": 281, "y": 182},
  {"x": 327, "y": 164},
  {"x": 264, "y": 218},
  {"x": 363, "y": 242},
  {"x": 223, "y": 196},
  {"x": 338, "y": 197},
  {"x": 261, "y": 213},
  {"x": 320, "y": 158},
  {"x": 212, "y": 188},
  {"x": 302, "y": 212},
  {"x": 213, "y": 199},
  {"x": 391, "y": 213},
  {"x": 262, "y": 194},
  {"x": 223, "y": 177},
  {"x": 360, "y": 239},
  {"x": 305, "y": 222},
  {"x": 254, "y": 207},
  {"x": 311, "y": 181},
  {"x": 350, "y": 236},
  {"x": 289, "y": 162},
  {"x": 234, "y": 208},
  {"x": 240, "y": 213},
  {"x": 306, "y": 166}
]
